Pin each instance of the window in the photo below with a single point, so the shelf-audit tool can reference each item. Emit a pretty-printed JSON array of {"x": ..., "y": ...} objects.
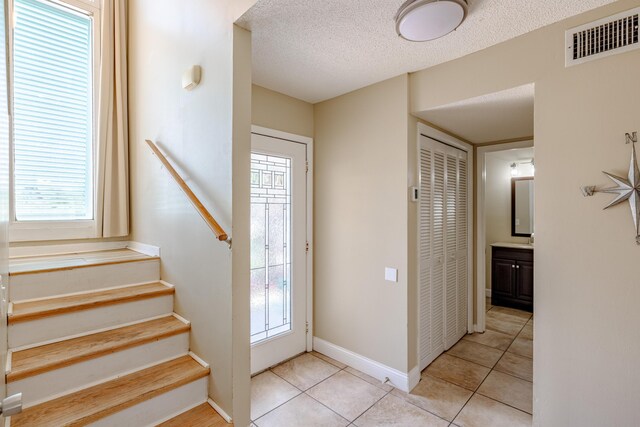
[{"x": 53, "y": 115}]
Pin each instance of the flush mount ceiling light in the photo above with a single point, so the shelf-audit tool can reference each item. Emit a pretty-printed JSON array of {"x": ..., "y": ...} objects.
[{"x": 423, "y": 20}]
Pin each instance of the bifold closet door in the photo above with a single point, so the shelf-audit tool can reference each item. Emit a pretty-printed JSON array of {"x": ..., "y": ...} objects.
[
  {"x": 431, "y": 286},
  {"x": 443, "y": 248}
]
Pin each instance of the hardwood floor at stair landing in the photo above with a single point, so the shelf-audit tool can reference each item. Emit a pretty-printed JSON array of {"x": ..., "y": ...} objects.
[
  {"x": 49, "y": 263},
  {"x": 200, "y": 416}
]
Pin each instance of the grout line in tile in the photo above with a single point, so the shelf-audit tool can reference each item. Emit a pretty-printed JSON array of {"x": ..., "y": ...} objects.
[
  {"x": 326, "y": 361},
  {"x": 506, "y": 404},
  {"x": 349, "y": 421},
  {"x": 305, "y": 391},
  {"x": 465, "y": 404},
  {"x": 374, "y": 404},
  {"x": 426, "y": 410},
  {"x": 282, "y": 378},
  {"x": 484, "y": 345},
  {"x": 301, "y": 354},
  {"x": 373, "y": 385},
  {"x": 474, "y": 392},
  {"x": 283, "y": 403},
  {"x": 467, "y": 360},
  {"x": 470, "y": 361}
]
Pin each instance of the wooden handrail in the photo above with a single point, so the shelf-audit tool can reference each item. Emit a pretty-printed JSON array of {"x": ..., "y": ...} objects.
[{"x": 204, "y": 213}]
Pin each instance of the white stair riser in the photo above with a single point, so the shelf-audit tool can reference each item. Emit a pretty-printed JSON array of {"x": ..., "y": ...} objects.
[
  {"x": 41, "y": 285},
  {"x": 82, "y": 322},
  {"x": 52, "y": 384},
  {"x": 160, "y": 408}
]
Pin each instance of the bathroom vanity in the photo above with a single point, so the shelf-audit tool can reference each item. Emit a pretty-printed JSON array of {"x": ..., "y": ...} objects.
[{"x": 512, "y": 275}]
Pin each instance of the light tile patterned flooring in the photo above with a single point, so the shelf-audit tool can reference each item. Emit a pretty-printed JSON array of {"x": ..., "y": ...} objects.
[{"x": 485, "y": 380}]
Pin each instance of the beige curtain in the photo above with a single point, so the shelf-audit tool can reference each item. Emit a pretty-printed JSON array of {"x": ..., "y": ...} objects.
[{"x": 113, "y": 128}]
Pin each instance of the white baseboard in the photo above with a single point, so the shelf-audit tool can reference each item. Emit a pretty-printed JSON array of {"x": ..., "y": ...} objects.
[
  {"x": 487, "y": 293},
  {"x": 414, "y": 377},
  {"x": 401, "y": 380},
  {"x": 219, "y": 410},
  {"x": 143, "y": 248}
]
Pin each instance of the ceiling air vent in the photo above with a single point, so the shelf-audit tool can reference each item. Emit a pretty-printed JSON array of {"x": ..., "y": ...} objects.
[{"x": 605, "y": 37}]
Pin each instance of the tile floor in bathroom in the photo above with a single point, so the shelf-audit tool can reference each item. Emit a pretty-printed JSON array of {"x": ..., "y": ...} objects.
[{"x": 485, "y": 380}]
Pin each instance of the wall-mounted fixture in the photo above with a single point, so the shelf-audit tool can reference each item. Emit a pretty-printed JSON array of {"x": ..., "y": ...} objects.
[
  {"x": 191, "y": 77},
  {"x": 626, "y": 189},
  {"x": 415, "y": 194},
  {"x": 423, "y": 20},
  {"x": 515, "y": 168}
]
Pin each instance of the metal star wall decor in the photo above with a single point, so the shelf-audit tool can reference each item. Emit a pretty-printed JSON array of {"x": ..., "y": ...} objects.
[{"x": 625, "y": 189}]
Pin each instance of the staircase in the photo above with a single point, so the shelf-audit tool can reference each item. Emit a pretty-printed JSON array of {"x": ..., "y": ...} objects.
[{"x": 93, "y": 340}]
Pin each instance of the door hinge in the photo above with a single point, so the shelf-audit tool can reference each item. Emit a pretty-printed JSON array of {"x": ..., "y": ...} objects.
[
  {"x": 307, "y": 166},
  {"x": 307, "y": 327},
  {"x": 307, "y": 247}
]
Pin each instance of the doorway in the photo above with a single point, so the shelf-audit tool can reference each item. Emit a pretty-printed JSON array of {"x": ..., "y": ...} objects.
[
  {"x": 496, "y": 357},
  {"x": 499, "y": 167},
  {"x": 280, "y": 247}
]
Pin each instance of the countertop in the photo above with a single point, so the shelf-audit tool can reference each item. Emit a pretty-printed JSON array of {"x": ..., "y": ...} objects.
[{"x": 513, "y": 245}]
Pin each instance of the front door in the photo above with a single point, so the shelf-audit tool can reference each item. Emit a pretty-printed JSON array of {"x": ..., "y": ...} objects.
[{"x": 278, "y": 250}]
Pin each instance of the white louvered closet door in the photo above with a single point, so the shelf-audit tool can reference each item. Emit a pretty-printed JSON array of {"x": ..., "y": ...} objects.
[{"x": 443, "y": 248}]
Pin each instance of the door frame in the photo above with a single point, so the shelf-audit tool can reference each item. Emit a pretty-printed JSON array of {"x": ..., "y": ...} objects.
[
  {"x": 481, "y": 242},
  {"x": 439, "y": 136},
  {"x": 308, "y": 142}
]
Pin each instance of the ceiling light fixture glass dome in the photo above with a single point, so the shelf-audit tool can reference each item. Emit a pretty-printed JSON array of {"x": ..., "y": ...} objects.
[{"x": 423, "y": 20}]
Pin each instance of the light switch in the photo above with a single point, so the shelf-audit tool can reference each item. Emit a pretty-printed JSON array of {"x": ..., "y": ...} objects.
[{"x": 391, "y": 274}]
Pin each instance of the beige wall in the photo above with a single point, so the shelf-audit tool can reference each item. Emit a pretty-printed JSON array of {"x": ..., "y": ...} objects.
[
  {"x": 274, "y": 110},
  {"x": 497, "y": 201},
  {"x": 361, "y": 221},
  {"x": 240, "y": 231},
  {"x": 196, "y": 129},
  {"x": 586, "y": 347}
]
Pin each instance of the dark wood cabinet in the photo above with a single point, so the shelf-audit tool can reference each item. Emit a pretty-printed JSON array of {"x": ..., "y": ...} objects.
[{"x": 512, "y": 277}]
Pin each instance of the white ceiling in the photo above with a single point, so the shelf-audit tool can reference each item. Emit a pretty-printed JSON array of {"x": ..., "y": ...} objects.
[
  {"x": 318, "y": 49},
  {"x": 515, "y": 155},
  {"x": 488, "y": 118}
]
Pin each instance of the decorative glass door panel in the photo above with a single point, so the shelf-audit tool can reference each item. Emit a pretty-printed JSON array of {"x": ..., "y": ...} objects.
[
  {"x": 278, "y": 255},
  {"x": 270, "y": 246}
]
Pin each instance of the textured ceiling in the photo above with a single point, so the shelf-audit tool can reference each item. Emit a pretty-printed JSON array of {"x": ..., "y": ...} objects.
[
  {"x": 488, "y": 118},
  {"x": 318, "y": 49}
]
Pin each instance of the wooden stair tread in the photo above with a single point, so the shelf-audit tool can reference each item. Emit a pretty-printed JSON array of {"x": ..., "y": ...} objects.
[
  {"x": 200, "y": 416},
  {"x": 49, "y": 263},
  {"x": 29, "y": 310},
  {"x": 91, "y": 404},
  {"x": 44, "y": 358}
]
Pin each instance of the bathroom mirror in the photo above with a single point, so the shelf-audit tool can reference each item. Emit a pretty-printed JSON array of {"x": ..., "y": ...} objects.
[{"x": 522, "y": 208}]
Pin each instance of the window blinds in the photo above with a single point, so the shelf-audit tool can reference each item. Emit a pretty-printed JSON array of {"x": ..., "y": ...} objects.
[{"x": 53, "y": 113}]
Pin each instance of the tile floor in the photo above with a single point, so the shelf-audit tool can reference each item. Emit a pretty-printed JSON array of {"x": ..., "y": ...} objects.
[{"x": 482, "y": 381}]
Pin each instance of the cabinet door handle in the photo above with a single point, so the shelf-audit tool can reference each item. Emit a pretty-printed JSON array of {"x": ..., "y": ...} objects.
[
  {"x": 513, "y": 266},
  {"x": 518, "y": 267}
]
